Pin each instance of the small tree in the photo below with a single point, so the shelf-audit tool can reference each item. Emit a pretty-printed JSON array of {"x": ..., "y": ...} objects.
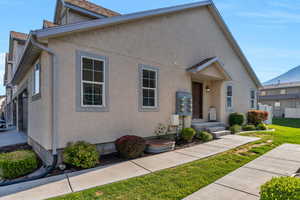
[{"x": 257, "y": 116}]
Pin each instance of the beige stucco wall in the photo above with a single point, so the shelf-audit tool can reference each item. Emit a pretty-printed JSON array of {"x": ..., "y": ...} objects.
[
  {"x": 172, "y": 43},
  {"x": 39, "y": 110}
]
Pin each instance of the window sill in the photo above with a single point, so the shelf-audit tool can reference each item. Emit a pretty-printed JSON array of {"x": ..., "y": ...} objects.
[
  {"x": 36, "y": 97},
  {"x": 92, "y": 109},
  {"x": 145, "y": 109}
]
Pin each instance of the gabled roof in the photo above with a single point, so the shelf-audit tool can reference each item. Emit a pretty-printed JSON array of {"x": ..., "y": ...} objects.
[
  {"x": 18, "y": 35},
  {"x": 48, "y": 24},
  {"x": 208, "y": 62},
  {"x": 85, "y": 7},
  {"x": 104, "y": 22},
  {"x": 92, "y": 7}
]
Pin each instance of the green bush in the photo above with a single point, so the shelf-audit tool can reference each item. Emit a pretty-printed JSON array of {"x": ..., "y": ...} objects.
[
  {"x": 262, "y": 126},
  {"x": 235, "y": 129},
  {"x": 283, "y": 188},
  {"x": 17, "y": 163},
  {"x": 81, "y": 154},
  {"x": 187, "y": 134},
  {"x": 204, "y": 136},
  {"x": 236, "y": 119},
  {"x": 130, "y": 146},
  {"x": 249, "y": 127}
]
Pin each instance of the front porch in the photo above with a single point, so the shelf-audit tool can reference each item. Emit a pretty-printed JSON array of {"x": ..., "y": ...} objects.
[{"x": 208, "y": 79}]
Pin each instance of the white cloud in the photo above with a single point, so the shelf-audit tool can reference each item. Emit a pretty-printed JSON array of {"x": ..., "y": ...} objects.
[{"x": 274, "y": 17}]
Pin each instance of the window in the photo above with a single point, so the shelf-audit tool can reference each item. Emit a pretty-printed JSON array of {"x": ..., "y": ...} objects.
[
  {"x": 263, "y": 93},
  {"x": 148, "y": 88},
  {"x": 36, "y": 78},
  {"x": 277, "y": 104},
  {"x": 92, "y": 82},
  {"x": 253, "y": 99},
  {"x": 229, "y": 94},
  {"x": 283, "y": 91}
]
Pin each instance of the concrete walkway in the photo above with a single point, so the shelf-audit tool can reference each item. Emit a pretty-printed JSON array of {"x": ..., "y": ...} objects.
[
  {"x": 77, "y": 181},
  {"x": 12, "y": 137},
  {"x": 244, "y": 183}
]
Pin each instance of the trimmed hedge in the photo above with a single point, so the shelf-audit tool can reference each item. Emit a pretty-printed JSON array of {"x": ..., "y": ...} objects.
[
  {"x": 187, "y": 134},
  {"x": 18, "y": 163},
  {"x": 236, "y": 119},
  {"x": 204, "y": 136},
  {"x": 283, "y": 188},
  {"x": 130, "y": 146},
  {"x": 235, "y": 129},
  {"x": 81, "y": 154},
  {"x": 257, "y": 116},
  {"x": 249, "y": 127}
]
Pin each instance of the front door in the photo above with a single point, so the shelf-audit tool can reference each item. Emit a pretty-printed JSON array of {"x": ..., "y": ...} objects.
[{"x": 197, "y": 91}]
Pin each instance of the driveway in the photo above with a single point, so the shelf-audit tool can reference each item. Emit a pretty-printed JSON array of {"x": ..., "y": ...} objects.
[{"x": 12, "y": 137}]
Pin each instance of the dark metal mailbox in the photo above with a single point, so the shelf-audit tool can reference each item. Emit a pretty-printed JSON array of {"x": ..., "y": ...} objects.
[{"x": 184, "y": 104}]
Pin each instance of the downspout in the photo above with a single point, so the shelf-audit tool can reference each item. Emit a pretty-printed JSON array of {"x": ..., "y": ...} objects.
[{"x": 53, "y": 121}]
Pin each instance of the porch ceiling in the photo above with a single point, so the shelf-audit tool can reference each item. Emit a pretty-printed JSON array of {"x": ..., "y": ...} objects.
[{"x": 211, "y": 69}]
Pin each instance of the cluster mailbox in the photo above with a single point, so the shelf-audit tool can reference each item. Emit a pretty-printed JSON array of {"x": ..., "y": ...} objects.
[{"x": 184, "y": 104}]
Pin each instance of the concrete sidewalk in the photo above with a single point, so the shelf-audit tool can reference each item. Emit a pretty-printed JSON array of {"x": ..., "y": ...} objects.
[
  {"x": 12, "y": 137},
  {"x": 77, "y": 181},
  {"x": 244, "y": 183}
]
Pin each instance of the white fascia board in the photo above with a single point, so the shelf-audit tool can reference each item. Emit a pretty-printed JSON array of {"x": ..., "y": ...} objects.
[{"x": 98, "y": 23}]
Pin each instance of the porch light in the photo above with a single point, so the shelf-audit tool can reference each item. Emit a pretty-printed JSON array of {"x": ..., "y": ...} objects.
[{"x": 207, "y": 88}]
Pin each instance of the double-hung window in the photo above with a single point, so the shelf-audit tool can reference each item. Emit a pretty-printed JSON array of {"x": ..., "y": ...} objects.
[
  {"x": 252, "y": 99},
  {"x": 92, "y": 82},
  {"x": 229, "y": 97},
  {"x": 149, "y": 88},
  {"x": 36, "y": 78}
]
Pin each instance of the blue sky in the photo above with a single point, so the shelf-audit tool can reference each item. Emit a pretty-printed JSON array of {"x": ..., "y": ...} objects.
[{"x": 266, "y": 30}]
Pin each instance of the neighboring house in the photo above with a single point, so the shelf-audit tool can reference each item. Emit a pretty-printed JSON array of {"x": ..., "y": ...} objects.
[
  {"x": 282, "y": 92},
  {"x": 280, "y": 97},
  {"x": 96, "y": 75},
  {"x": 16, "y": 46}
]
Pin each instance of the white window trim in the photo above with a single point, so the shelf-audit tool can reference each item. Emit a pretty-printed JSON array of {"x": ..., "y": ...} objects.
[
  {"x": 34, "y": 93},
  {"x": 155, "y": 89},
  {"x": 253, "y": 99},
  {"x": 226, "y": 90},
  {"x": 92, "y": 82}
]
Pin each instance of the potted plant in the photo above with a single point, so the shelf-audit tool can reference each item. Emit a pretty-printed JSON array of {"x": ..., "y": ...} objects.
[{"x": 160, "y": 143}]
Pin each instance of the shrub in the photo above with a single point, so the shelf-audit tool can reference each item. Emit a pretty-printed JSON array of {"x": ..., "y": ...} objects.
[
  {"x": 17, "y": 163},
  {"x": 187, "y": 134},
  {"x": 236, "y": 119},
  {"x": 81, "y": 154},
  {"x": 257, "y": 116},
  {"x": 262, "y": 126},
  {"x": 204, "y": 136},
  {"x": 249, "y": 127},
  {"x": 283, "y": 188},
  {"x": 235, "y": 129},
  {"x": 130, "y": 146}
]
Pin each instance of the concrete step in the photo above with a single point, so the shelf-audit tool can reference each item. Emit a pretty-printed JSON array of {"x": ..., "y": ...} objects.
[
  {"x": 219, "y": 134},
  {"x": 203, "y": 126},
  {"x": 215, "y": 129}
]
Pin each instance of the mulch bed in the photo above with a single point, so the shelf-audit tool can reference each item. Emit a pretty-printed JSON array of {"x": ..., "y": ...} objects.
[{"x": 11, "y": 148}]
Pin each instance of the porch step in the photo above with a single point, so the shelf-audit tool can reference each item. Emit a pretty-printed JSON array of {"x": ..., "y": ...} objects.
[
  {"x": 219, "y": 134},
  {"x": 215, "y": 129},
  {"x": 208, "y": 126}
]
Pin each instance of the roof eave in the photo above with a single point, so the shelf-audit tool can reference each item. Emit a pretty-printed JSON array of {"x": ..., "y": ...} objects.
[
  {"x": 98, "y": 23},
  {"x": 234, "y": 43}
]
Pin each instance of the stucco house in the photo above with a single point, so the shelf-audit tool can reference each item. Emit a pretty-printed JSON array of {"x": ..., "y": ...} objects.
[{"x": 95, "y": 75}]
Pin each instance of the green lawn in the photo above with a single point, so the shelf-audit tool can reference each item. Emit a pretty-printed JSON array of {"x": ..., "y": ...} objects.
[{"x": 179, "y": 182}]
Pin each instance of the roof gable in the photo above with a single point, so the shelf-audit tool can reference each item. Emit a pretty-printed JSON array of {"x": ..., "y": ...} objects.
[{"x": 84, "y": 7}]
